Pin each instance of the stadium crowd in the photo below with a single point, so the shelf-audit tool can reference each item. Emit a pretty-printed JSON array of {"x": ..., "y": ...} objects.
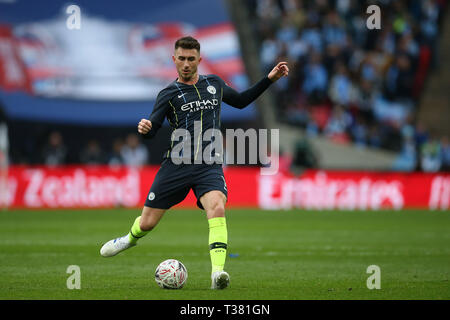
[
  {"x": 351, "y": 83},
  {"x": 129, "y": 151}
]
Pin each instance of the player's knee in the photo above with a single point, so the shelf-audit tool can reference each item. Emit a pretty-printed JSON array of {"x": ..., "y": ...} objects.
[{"x": 217, "y": 210}]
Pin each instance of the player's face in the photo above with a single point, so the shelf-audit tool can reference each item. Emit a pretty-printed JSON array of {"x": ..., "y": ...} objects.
[{"x": 186, "y": 62}]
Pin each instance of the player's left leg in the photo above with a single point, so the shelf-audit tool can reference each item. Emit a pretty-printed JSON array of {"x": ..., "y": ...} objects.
[
  {"x": 169, "y": 188},
  {"x": 214, "y": 204},
  {"x": 141, "y": 226}
]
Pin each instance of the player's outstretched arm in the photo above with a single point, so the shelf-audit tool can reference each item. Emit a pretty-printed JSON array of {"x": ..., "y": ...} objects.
[{"x": 243, "y": 99}]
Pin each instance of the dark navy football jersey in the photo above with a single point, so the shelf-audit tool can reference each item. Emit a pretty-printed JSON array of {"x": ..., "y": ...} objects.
[{"x": 196, "y": 109}]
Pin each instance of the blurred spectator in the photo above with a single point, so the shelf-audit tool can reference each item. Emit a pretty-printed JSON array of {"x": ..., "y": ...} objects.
[
  {"x": 445, "y": 145},
  {"x": 133, "y": 152},
  {"x": 364, "y": 98},
  {"x": 287, "y": 32},
  {"x": 408, "y": 45},
  {"x": 338, "y": 124},
  {"x": 389, "y": 112},
  {"x": 115, "y": 157},
  {"x": 270, "y": 49},
  {"x": 316, "y": 79},
  {"x": 431, "y": 156},
  {"x": 399, "y": 79},
  {"x": 311, "y": 34},
  {"x": 374, "y": 136},
  {"x": 421, "y": 134},
  {"x": 407, "y": 159},
  {"x": 304, "y": 156},
  {"x": 430, "y": 12},
  {"x": 359, "y": 131},
  {"x": 333, "y": 30},
  {"x": 54, "y": 152},
  {"x": 341, "y": 87},
  {"x": 92, "y": 154},
  {"x": 368, "y": 69},
  {"x": 386, "y": 41}
]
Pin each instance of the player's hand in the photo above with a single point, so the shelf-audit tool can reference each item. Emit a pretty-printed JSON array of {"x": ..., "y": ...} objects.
[
  {"x": 144, "y": 126},
  {"x": 280, "y": 70}
]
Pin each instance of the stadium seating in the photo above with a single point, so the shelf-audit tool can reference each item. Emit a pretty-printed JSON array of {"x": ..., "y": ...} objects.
[{"x": 377, "y": 76}]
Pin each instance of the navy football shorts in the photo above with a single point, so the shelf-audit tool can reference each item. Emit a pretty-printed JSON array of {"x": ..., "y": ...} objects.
[{"x": 173, "y": 182}]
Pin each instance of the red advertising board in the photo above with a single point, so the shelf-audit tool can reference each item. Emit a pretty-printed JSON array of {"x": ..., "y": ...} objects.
[
  {"x": 354, "y": 190},
  {"x": 103, "y": 186}
]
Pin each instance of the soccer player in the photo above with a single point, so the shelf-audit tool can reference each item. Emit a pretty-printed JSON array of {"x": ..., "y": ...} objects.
[{"x": 191, "y": 102}]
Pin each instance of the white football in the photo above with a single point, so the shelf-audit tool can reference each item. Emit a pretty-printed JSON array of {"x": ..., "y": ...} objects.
[{"x": 171, "y": 274}]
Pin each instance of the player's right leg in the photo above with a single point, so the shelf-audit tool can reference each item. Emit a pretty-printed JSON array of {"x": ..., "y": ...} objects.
[{"x": 141, "y": 226}]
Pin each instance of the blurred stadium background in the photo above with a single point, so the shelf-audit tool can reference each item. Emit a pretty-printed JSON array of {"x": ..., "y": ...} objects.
[{"x": 363, "y": 116}]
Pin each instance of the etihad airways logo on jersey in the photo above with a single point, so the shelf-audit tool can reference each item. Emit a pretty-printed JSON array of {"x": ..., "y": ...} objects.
[{"x": 200, "y": 105}]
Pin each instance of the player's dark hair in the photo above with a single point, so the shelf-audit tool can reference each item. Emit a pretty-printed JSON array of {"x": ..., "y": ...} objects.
[{"x": 187, "y": 43}]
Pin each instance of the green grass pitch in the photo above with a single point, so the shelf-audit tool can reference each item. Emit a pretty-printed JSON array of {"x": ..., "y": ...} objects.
[{"x": 293, "y": 255}]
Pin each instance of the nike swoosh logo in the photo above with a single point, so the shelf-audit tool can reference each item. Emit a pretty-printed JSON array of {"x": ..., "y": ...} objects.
[{"x": 181, "y": 95}]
